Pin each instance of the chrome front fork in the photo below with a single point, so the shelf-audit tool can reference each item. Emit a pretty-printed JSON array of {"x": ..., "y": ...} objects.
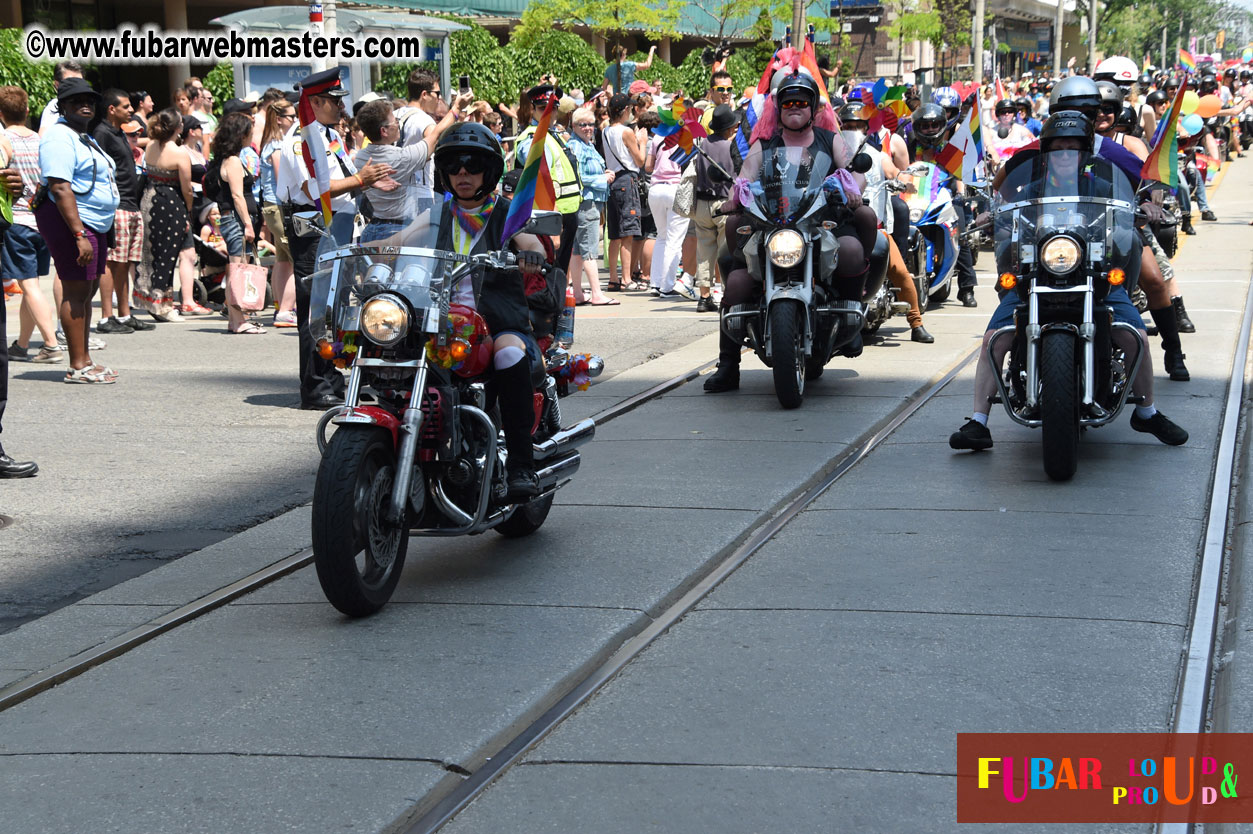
[
  {"x": 1087, "y": 332},
  {"x": 410, "y": 428}
]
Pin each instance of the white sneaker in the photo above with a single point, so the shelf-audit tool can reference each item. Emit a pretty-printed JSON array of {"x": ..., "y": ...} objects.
[
  {"x": 716, "y": 292},
  {"x": 684, "y": 288}
]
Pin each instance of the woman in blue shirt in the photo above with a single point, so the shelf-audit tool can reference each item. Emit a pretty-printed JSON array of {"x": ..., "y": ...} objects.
[
  {"x": 587, "y": 241},
  {"x": 75, "y": 218},
  {"x": 620, "y": 73}
]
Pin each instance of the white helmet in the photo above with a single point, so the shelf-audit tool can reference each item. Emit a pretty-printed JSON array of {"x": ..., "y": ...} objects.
[{"x": 1118, "y": 69}]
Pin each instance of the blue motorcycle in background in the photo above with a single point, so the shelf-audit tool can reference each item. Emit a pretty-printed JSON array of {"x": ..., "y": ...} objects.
[{"x": 933, "y": 230}]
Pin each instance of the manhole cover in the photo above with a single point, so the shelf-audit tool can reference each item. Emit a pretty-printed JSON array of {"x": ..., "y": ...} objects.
[{"x": 5, "y": 521}]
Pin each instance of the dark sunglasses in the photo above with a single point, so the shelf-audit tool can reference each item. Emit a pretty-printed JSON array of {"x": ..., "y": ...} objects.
[
  {"x": 795, "y": 104},
  {"x": 721, "y": 89},
  {"x": 472, "y": 163},
  {"x": 1111, "y": 109}
]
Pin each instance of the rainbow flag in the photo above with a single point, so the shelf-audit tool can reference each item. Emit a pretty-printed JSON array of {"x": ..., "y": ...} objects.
[
  {"x": 1186, "y": 59},
  {"x": 963, "y": 154},
  {"x": 810, "y": 62},
  {"x": 535, "y": 185},
  {"x": 1162, "y": 162},
  {"x": 313, "y": 148}
]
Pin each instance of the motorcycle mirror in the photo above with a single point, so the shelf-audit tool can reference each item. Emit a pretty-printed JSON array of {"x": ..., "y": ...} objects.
[
  {"x": 861, "y": 163},
  {"x": 744, "y": 230},
  {"x": 546, "y": 223},
  {"x": 306, "y": 223}
]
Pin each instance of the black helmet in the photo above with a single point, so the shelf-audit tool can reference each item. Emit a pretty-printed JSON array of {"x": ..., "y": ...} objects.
[
  {"x": 471, "y": 144},
  {"x": 1110, "y": 94},
  {"x": 1156, "y": 97},
  {"x": 853, "y": 110},
  {"x": 1209, "y": 84},
  {"x": 1145, "y": 81},
  {"x": 930, "y": 124},
  {"x": 1023, "y": 101},
  {"x": 1067, "y": 124},
  {"x": 1245, "y": 75},
  {"x": 1005, "y": 105},
  {"x": 1127, "y": 122},
  {"x": 1077, "y": 92},
  {"x": 1171, "y": 83},
  {"x": 797, "y": 86}
]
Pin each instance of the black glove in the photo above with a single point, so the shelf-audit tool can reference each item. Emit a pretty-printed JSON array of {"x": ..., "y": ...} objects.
[{"x": 530, "y": 262}]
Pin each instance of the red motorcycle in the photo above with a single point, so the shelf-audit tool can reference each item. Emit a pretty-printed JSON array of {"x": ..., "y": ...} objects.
[{"x": 418, "y": 449}]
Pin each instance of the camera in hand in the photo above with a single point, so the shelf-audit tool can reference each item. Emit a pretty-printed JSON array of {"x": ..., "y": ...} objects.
[{"x": 709, "y": 55}]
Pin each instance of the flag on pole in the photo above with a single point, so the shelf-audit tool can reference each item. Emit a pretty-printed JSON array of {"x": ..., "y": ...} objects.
[
  {"x": 535, "y": 185},
  {"x": 810, "y": 62},
  {"x": 1162, "y": 163},
  {"x": 313, "y": 147},
  {"x": 1187, "y": 61},
  {"x": 963, "y": 154},
  {"x": 1000, "y": 90}
]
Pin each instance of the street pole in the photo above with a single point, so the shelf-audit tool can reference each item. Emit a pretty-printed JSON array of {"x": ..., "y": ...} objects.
[
  {"x": 977, "y": 56},
  {"x": 1164, "y": 64},
  {"x": 1091, "y": 36},
  {"x": 315, "y": 28},
  {"x": 798, "y": 24},
  {"x": 1058, "y": 23}
]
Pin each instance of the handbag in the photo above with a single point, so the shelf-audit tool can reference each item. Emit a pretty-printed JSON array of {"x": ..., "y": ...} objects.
[
  {"x": 685, "y": 194},
  {"x": 245, "y": 284}
]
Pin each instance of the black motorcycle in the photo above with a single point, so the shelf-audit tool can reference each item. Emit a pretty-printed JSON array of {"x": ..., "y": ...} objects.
[{"x": 1065, "y": 228}]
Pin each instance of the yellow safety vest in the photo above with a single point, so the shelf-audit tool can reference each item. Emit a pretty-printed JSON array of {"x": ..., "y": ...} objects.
[{"x": 564, "y": 172}]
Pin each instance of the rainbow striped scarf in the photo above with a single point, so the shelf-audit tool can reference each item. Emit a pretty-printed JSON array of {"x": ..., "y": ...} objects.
[{"x": 473, "y": 221}]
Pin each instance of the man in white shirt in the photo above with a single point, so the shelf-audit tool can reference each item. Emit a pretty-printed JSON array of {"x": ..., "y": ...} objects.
[
  {"x": 62, "y": 71},
  {"x": 417, "y": 120}
]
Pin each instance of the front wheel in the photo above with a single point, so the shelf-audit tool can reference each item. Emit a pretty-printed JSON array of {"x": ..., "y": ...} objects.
[
  {"x": 1059, "y": 404},
  {"x": 787, "y": 351},
  {"x": 358, "y": 555}
]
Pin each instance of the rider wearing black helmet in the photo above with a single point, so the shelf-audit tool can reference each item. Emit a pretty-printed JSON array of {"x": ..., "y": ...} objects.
[
  {"x": 796, "y": 105},
  {"x": 930, "y": 133},
  {"x": 468, "y": 158},
  {"x": 1071, "y": 134},
  {"x": 1026, "y": 117}
]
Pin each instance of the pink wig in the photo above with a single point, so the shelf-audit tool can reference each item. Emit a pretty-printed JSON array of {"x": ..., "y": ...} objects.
[{"x": 768, "y": 126}]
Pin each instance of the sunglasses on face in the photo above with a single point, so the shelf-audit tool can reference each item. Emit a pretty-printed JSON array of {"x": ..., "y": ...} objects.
[
  {"x": 796, "y": 104},
  {"x": 1111, "y": 109},
  {"x": 472, "y": 163},
  {"x": 586, "y": 124},
  {"x": 720, "y": 89}
]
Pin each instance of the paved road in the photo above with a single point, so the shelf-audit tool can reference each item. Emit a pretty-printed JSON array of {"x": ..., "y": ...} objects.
[{"x": 818, "y": 689}]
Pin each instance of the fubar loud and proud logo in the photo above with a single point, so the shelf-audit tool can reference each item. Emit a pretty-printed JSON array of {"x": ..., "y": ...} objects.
[{"x": 1103, "y": 777}]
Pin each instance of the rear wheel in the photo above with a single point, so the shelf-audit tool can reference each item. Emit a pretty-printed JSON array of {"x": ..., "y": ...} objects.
[
  {"x": 1059, "y": 404},
  {"x": 787, "y": 349},
  {"x": 358, "y": 555},
  {"x": 941, "y": 295}
]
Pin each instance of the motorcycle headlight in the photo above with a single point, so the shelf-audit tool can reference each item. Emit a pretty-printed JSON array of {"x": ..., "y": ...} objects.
[
  {"x": 915, "y": 214},
  {"x": 385, "y": 319},
  {"x": 786, "y": 248},
  {"x": 1060, "y": 255}
]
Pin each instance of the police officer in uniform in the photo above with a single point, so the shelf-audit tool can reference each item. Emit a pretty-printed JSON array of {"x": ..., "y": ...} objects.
[{"x": 321, "y": 385}]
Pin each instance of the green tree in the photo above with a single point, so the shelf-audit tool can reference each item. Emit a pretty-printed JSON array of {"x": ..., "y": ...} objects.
[
  {"x": 33, "y": 77},
  {"x": 474, "y": 52},
  {"x": 607, "y": 18},
  {"x": 911, "y": 22},
  {"x": 564, "y": 54},
  {"x": 221, "y": 82}
]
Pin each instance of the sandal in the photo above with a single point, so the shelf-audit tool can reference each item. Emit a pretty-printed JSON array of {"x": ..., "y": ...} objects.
[
  {"x": 248, "y": 328},
  {"x": 614, "y": 286},
  {"x": 195, "y": 310},
  {"x": 91, "y": 374},
  {"x": 635, "y": 286}
]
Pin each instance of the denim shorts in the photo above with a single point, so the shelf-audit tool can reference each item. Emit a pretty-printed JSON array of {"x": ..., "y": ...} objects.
[
  {"x": 376, "y": 230},
  {"x": 25, "y": 254},
  {"x": 232, "y": 233},
  {"x": 1124, "y": 310}
]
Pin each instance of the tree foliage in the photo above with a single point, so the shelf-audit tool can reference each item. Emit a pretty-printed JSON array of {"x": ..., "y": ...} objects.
[
  {"x": 221, "y": 82},
  {"x": 605, "y": 17},
  {"x": 564, "y": 54},
  {"x": 33, "y": 77},
  {"x": 474, "y": 52}
]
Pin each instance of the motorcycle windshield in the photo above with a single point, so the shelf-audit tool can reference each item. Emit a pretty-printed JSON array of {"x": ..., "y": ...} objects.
[
  {"x": 790, "y": 184},
  {"x": 406, "y": 263},
  {"x": 1070, "y": 192}
]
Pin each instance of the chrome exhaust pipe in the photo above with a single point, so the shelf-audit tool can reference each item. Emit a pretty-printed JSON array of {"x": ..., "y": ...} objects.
[
  {"x": 558, "y": 471},
  {"x": 566, "y": 440}
]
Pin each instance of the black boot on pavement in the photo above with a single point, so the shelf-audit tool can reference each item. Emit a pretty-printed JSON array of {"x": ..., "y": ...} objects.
[
  {"x": 1181, "y": 315},
  {"x": 1168, "y": 328},
  {"x": 1208, "y": 215},
  {"x": 10, "y": 468},
  {"x": 967, "y": 297},
  {"x": 920, "y": 334},
  {"x": 135, "y": 324},
  {"x": 1186, "y": 225},
  {"x": 973, "y": 436},
  {"x": 727, "y": 377},
  {"x": 1161, "y": 427},
  {"x": 706, "y": 305},
  {"x": 514, "y": 394}
]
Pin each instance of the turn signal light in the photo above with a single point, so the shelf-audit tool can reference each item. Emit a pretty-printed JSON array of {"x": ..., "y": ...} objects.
[
  {"x": 459, "y": 350},
  {"x": 1117, "y": 276},
  {"x": 325, "y": 349},
  {"x": 1008, "y": 280}
]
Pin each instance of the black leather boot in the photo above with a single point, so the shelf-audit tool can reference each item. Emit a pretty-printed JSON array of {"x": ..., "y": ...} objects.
[
  {"x": 1168, "y": 328},
  {"x": 727, "y": 377},
  {"x": 514, "y": 395},
  {"x": 1181, "y": 315},
  {"x": 1186, "y": 225}
]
